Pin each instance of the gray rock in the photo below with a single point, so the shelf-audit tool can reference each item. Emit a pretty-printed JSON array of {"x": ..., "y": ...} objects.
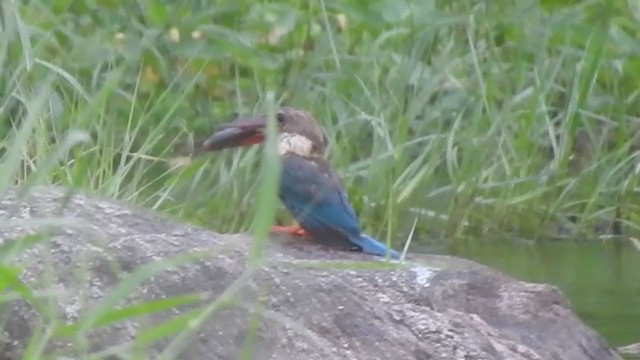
[{"x": 305, "y": 301}]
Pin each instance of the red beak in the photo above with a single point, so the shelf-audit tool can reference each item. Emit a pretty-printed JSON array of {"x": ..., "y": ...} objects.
[{"x": 241, "y": 132}]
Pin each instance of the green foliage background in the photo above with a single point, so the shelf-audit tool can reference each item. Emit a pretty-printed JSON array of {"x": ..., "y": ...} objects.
[{"x": 473, "y": 116}]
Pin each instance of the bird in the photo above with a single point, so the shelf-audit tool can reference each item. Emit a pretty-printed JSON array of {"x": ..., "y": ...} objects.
[{"x": 309, "y": 188}]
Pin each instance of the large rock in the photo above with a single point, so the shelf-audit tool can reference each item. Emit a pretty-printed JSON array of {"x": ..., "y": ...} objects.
[{"x": 310, "y": 302}]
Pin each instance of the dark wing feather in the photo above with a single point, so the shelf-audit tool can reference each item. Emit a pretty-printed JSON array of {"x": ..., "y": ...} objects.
[{"x": 312, "y": 192}]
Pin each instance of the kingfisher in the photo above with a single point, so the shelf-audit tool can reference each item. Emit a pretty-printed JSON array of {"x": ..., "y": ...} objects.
[{"x": 309, "y": 188}]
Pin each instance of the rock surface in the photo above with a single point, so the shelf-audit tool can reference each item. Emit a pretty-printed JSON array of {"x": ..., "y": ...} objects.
[{"x": 307, "y": 302}]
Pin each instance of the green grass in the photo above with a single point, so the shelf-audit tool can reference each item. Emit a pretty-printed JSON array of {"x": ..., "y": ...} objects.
[{"x": 475, "y": 118}]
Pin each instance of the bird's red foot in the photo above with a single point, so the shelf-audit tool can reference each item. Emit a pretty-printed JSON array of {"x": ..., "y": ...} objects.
[{"x": 294, "y": 230}]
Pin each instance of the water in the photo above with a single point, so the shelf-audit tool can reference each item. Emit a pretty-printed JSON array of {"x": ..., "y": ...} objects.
[{"x": 601, "y": 279}]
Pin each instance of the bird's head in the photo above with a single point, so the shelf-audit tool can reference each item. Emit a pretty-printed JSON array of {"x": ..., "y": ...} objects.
[{"x": 298, "y": 133}]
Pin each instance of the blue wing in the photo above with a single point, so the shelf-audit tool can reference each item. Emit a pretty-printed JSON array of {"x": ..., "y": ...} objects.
[{"x": 313, "y": 194}]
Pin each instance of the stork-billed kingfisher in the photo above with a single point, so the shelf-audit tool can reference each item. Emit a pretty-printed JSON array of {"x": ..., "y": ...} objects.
[{"x": 310, "y": 190}]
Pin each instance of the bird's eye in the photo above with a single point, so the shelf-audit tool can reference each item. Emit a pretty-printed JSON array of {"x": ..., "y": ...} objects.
[{"x": 280, "y": 118}]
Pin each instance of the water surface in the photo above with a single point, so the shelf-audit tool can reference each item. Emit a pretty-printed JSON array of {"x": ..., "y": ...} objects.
[{"x": 601, "y": 279}]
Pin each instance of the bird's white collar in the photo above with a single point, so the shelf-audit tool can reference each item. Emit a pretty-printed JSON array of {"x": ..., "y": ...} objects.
[{"x": 294, "y": 143}]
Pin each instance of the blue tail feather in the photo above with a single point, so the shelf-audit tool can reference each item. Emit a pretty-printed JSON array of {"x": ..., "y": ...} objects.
[{"x": 372, "y": 246}]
